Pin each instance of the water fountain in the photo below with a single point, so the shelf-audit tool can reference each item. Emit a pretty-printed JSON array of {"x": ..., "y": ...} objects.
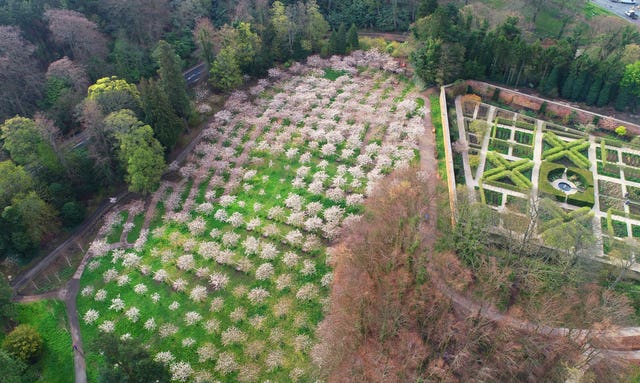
[{"x": 563, "y": 184}]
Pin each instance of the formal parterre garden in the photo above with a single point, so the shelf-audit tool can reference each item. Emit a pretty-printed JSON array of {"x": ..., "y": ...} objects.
[
  {"x": 226, "y": 275},
  {"x": 511, "y": 154}
]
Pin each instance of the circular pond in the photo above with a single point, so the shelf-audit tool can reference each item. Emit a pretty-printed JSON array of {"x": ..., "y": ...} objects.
[{"x": 565, "y": 186}]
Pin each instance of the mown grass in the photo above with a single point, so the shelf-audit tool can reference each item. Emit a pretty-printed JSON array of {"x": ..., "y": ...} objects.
[
  {"x": 116, "y": 230},
  {"x": 133, "y": 235},
  {"x": 287, "y": 317},
  {"x": 436, "y": 119},
  {"x": 592, "y": 10},
  {"x": 50, "y": 319}
]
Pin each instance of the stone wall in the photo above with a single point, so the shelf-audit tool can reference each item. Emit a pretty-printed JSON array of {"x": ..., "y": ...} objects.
[{"x": 448, "y": 154}]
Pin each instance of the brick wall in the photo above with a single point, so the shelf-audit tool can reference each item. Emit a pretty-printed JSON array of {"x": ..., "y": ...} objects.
[{"x": 524, "y": 101}]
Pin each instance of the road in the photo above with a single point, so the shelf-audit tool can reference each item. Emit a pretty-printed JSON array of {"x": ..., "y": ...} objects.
[
  {"x": 22, "y": 279},
  {"x": 194, "y": 74},
  {"x": 618, "y": 8}
]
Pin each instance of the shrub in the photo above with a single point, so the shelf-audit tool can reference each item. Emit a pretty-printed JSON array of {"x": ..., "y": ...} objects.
[
  {"x": 621, "y": 131},
  {"x": 525, "y": 125},
  {"x": 496, "y": 95},
  {"x": 72, "y": 213},
  {"x": 543, "y": 108},
  {"x": 24, "y": 342},
  {"x": 581, "y": 199}
]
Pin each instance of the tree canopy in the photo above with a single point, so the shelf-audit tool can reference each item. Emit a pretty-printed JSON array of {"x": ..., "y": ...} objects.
[{"x": 128, "y": 361}]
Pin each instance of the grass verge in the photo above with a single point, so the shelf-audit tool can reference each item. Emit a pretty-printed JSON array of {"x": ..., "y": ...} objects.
[
  {"x": 436, "y": 119},
  {"x": 50, "y": 319}
]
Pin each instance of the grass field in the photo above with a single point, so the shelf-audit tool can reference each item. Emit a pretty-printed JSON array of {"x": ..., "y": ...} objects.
[
  {"x": 436, "y": 119},
  {"x": 50, "y": 319}
]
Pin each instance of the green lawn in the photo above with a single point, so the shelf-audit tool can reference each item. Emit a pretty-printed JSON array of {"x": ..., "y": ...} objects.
[
  {"x": 436, "y": 119},
  {"x": 548, "y": 23},
  {"x": 116, "y": 230},
  {"x": 133, "y": 235},
  {"x": 50, "y": 319},
  {"x": 234, "y": 287},
  {"x": 592, "y": 10}
]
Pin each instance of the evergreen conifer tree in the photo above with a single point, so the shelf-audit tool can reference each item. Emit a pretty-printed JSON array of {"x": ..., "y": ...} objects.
[
  {"x": 171, "y": 79},
  {"x": 352, "y": 38},
  {"x": 158, "y": 113}
]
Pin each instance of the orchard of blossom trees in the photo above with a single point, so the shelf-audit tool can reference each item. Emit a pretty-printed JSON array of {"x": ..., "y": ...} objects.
[{"x": 231, "y": 277}]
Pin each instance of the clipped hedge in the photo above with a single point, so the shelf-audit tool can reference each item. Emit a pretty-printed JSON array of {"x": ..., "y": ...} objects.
[
  {"x": 496, "y": 172},
  {"x": 511, "y": 170},
  {"x": 552, "y": 139},
  {"x": 525, "y": 125},
  {"x": 570, "y": 150},
  {"x": 585, "y": 198},
  {"x": 504, "y": 121},
  {"x": 505, "y": 186},
  {"x": 564, "y": 130}
]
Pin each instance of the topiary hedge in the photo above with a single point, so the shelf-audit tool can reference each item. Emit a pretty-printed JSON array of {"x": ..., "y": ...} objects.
[{"x": 584, "y": 198}]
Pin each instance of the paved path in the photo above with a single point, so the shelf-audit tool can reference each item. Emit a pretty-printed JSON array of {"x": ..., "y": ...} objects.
[
  {"x": 485, "y": 143},
  {"x": 537, "y": 157},
  {"x": 79, "y": 364},
  {"x": 463, "y": 138},
  {"x": 27, "y": 276}
]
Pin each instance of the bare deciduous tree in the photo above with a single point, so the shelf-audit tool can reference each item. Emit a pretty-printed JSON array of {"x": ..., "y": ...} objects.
[
  {"x": 80, "y": 36},
  {"x": 20, "y": 77}
]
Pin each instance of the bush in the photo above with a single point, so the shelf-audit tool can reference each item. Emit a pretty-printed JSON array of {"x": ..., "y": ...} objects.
[
  {"x": 496, "y": 95},
  {"x": 525, "y": 125},
  {"x": 581, "y": 199},
  {"x": 492, "y": 197},
  {"x": 72, "y": 213},
  {"x": 543, "y": 108},
  {"x": 621, "y": 131},
  {"x": 504, "y": 121},
  {"x": 12, "y": 369},
  {"x": 24, "y": 342}
]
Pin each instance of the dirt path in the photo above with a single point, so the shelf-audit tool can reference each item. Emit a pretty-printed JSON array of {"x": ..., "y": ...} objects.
[
  {"x": 27, "y": 276},
  {"x": 429, "y": 165},
  {"x": 79, "y": 363}
]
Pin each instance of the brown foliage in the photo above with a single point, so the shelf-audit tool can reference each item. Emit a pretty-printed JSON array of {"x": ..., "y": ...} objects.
[
  {"x": 369, "y": 334},
  {"x": 75, "y": 32},
  {"x": 385, "y": 324},
  {"x": 66, "y": 69},
  {"x": 19, "y": 75}
]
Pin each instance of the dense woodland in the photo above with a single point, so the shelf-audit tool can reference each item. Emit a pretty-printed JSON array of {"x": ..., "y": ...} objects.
[{"x": 598, "y": 65}]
